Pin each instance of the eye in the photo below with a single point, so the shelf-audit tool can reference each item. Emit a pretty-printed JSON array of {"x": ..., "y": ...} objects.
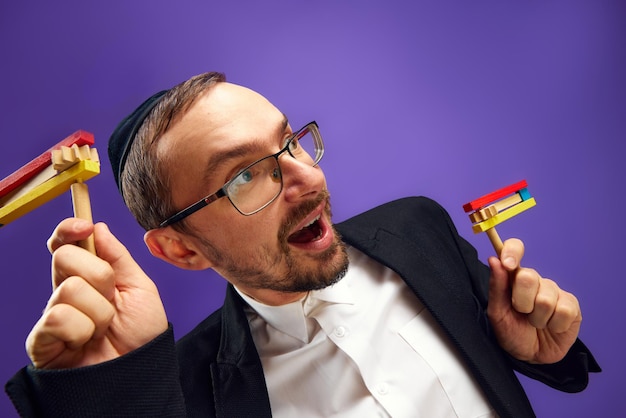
[
  {"x": 294, "y": 145},
  {"x": 242, "y": 182},
  {"x": 246, "y": 176},
  {"x": 275, "y": 175}
]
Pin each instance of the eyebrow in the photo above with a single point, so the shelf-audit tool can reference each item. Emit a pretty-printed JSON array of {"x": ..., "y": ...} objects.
[{"x": 221, "y": 158}]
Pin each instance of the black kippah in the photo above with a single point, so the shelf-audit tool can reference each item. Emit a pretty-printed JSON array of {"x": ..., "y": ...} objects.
[{"x": 124, "y": 135}]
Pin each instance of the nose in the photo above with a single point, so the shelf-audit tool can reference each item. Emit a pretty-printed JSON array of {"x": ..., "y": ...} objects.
[{"x": 301, "y": 180}]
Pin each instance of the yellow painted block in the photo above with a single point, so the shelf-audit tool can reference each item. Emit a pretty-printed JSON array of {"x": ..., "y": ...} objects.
[
  {"x": 48, "y": 190},
  {"x": 504, "y": 215}
]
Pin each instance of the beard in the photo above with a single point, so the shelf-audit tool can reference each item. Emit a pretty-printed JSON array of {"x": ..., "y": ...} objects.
[{"x": 279, "y": 269}]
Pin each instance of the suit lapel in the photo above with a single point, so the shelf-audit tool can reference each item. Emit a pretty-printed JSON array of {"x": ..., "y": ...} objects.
[{"x": 238, "y": 380}]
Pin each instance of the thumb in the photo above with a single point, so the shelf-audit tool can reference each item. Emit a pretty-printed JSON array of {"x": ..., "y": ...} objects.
[
  {"x": 111, "y": 250},
  {"x": 499, "y": 289}
]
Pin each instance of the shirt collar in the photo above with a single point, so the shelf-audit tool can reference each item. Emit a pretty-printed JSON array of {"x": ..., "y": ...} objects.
[
  {"x": 340, "y": 292},
  {"x": 288, "y": 319}
]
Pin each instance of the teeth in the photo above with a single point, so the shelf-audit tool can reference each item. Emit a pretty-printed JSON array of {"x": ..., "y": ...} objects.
[{"x": 317, "y": 218}]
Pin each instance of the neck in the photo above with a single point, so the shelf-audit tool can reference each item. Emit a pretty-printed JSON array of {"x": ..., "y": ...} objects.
[{"x": 271, "y": 297}]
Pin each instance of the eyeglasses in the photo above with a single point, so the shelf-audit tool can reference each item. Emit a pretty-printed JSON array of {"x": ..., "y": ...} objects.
[{"x": 260, "y": 183}]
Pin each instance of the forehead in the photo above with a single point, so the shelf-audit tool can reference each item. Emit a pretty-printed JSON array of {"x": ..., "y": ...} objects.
[
  {"x": 228, "y": 106},
  {"x": 225, "y": 117}
]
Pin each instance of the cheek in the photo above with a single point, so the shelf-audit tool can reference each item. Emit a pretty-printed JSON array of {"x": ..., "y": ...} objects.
[
  {"x": 239, "y": 232},
  {"x": 261, "y": 228},
  {"x": 228, "y": 230}
]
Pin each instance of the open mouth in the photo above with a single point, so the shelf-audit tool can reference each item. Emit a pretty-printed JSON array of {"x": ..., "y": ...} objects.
[
  {"x": 312, "y": 231},
  {"x": 309, "y": 228}
]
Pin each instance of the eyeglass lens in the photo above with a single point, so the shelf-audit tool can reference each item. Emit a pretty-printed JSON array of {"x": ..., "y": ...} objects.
[{"x": 259, "y": 184}]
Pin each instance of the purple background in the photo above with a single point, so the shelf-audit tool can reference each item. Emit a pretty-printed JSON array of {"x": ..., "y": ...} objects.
[{"x": 446, "y": 99}]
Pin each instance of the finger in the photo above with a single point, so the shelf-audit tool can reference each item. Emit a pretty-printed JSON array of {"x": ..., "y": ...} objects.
[
  {"x": 69, "y": 231},
  {"x": 60, "y": 328},
  {"x": 566, "y": 314},
  {"x": 70, "y": 260},
  {"x": 525, "y": 290},
  {"x": 110, "y": 249},
  {"x": 499, "y": 290},
  {"x": 512, "y": 253},
  {"x": 76, "y": 292},
  {"x": 545, "y": 304}
]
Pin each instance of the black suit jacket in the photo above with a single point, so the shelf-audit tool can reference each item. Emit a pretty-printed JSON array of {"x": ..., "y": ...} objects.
[{"x": 221, "y": 373}]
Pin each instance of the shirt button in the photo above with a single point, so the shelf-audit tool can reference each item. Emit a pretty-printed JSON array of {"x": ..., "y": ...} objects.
[
  {"x": 340, "y": 331},
  {"x": 382, "y": 388}
]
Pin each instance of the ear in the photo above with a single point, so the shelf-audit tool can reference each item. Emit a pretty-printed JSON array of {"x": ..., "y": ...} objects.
[{"x": 175, "y": 248}]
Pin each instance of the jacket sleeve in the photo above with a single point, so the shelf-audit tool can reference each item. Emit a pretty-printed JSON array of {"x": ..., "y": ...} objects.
[{"x": 142, "y": 383}]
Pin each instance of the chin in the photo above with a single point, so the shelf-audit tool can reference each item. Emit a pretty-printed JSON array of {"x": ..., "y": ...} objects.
[{"x": 326, "y": 269}]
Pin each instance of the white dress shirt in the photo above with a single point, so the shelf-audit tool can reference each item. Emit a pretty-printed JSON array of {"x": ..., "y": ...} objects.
[{"x": 364, "y": 347}]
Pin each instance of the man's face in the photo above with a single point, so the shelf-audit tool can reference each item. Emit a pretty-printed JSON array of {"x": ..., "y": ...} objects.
[{"x": 276, "y": 254}]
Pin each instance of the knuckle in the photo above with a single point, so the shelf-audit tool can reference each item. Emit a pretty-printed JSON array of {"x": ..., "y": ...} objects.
[
  {"x": 568, "y": 308},
  {"x": 61, "y": 253},
  {"x": 522, "y": 305},
  {"x": 71, "y": 286},
  {"x": 103, "y": 272},
  {"x": 57, "y": 314},
  {"x": 527, "y": 278},
  {"x": 57, "y": 254},
  {"x": 544, "y": 302}
]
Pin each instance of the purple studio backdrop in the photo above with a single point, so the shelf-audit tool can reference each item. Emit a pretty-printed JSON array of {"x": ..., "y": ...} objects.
[{"x": 449, "y": 99}]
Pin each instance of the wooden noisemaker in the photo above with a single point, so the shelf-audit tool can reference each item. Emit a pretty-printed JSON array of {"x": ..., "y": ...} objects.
[
  {"x": 66, "y": 166},
  {"x": 496, "y": 207}
]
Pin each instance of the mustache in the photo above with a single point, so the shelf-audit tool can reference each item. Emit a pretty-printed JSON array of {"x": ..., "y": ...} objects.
[{"x": 297, "y": 214}]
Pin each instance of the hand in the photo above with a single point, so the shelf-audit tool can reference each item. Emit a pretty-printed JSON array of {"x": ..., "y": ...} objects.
[
  {"x": 101, "y": 307},
  {"x": 533, "y": 319}
]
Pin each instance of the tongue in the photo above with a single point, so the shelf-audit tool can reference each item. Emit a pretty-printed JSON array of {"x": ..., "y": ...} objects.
[{"x": 306, "y": 234}]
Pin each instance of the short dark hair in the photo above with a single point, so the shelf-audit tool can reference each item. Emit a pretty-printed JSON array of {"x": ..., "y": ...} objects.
[{"x": 144, "y": 180}]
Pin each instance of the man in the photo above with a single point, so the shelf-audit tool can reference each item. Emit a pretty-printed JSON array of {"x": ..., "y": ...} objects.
[{"x": 390, "y": 318}]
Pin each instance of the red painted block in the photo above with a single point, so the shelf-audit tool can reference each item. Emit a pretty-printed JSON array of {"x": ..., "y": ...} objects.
[
  {"x": 493, "y": 196},
  {"x": 28, "y": 171}
]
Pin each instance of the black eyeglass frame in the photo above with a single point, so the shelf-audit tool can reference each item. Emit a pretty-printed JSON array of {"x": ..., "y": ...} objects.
[{"x": 311, "y": 127}]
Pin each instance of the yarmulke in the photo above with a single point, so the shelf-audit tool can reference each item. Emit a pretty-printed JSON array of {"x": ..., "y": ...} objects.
[{"x": 124, "y": 134}]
